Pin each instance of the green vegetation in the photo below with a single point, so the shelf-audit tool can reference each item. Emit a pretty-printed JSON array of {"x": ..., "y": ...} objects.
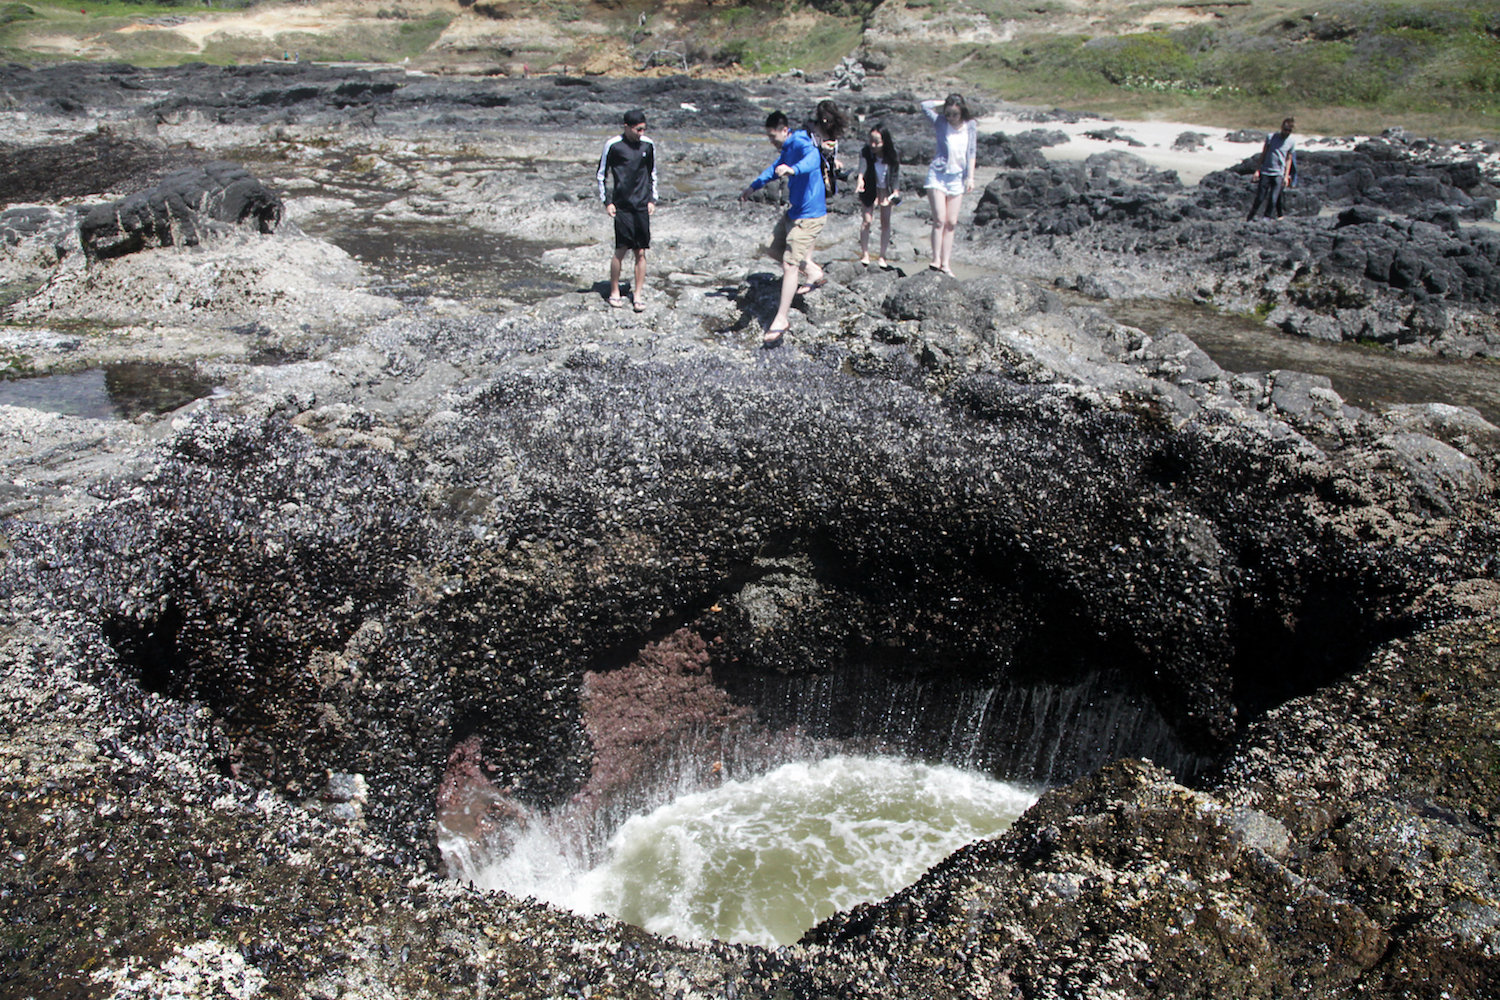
[
  {"x": 1422, "y": 60},
  {"x": 1341, "y": 66},
  {"x": 143, "y": 6},
  {"x": 415, "y": 37},
  {"x": 824, "y": 44},
  {"x": 845, "y": 8},
  {"x": 13, "y": 12},
  {"x": 775, "y": 37},
  {"x": 133, "y": 8},
  {"x": 565, "y": 11},
  {"x": 387, "y": 35}
]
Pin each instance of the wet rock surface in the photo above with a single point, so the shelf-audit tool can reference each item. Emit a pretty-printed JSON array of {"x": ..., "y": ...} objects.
[{"x": 245, "y": 642}]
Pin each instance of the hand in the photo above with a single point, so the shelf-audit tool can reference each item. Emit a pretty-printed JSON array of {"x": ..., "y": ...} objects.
[
  {"x": 968, "y": 185},
  {"x": 1255, "y": 176},
  {"x": 609, "y": 210},
  {"x": 784, "y": 170},
  {"x": 650, "y": 208},
  {"x": 746, "y": 193}
]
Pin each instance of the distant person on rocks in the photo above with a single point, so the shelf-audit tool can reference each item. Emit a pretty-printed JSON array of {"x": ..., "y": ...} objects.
[
  {"x": 629, "y": 163},
  {"x": 1277, "y": 170},
  {"x": 800, "y": 161},
  {"x": 951, "y": 173},
  {"x": 878, "y": 187}
]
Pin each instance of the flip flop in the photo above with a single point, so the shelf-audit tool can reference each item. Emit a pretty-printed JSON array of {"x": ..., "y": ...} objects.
[
  {"x": 811, "y": 286},
  {"x": 639, "y": 306},
  {"x": 616, "y": 301},
  {"x": 773, "y": 337}
]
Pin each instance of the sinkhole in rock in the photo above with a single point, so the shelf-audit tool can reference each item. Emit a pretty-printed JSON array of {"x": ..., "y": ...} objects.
[
  {"x": 760, "y": 860},
  {"x": 804, "y": 796}
]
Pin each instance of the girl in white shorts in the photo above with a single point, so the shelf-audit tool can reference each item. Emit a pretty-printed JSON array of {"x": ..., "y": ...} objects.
[{"x": 951, "y": 173}]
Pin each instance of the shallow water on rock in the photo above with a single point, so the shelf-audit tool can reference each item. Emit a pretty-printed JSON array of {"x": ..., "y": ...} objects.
[
  {"x": 114, "y": 392},
  {"x": 760, "y": 861},
  {"x": 1363, "y": 375},
  {"x": 416, "y": 260}
]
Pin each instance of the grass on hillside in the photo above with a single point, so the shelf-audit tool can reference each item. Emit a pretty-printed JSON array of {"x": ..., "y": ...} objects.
[
  {"x": 1342, "y": 66},
  {"x": 366, "y": 41},
  {"x": 1429, "y": 60},
  {"x": 380, "y": 39},
  {"x": 762, "y": 48}
]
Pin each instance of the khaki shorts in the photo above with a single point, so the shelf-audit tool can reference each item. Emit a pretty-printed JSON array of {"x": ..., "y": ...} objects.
[{"x": 793, "y": 239}]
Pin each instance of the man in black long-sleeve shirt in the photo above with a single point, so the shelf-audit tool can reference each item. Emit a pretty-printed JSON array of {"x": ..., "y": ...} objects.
[{"x": 629, "y": 159}]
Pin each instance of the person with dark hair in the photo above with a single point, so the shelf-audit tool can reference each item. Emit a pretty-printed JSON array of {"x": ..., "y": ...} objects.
[
  {"x": 629, "y": 162},
  {"x": 878, "y": 186},
  {"x": 827, "y": 127},
  {"x": 800, "y": 162},
  {"x": 1277, "y": 170},
  {"x": 951, "y": 174}
]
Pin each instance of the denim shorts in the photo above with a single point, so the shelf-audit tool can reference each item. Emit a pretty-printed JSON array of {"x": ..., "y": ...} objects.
[{"x": 951, "y": 185}]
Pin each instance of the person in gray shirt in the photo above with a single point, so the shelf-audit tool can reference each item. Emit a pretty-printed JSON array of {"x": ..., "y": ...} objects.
[{"x": 1278, "y": 168}]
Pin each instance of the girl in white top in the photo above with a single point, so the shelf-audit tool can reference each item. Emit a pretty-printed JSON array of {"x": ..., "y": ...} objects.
[{"x": 951, "y": 173}]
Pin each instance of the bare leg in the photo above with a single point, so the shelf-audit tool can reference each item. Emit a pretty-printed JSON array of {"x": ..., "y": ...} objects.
[
  {"x": 639, "y": 288},
  {"x": 783, "y": 316},
  {"x": 939, "y": 202},
  {"x": 950, "y": 224},
  {"x": 864, "y": 235},
  {"x": 814, "y": 272},
  {"x": 885, "y": 231},
  {"x": 614, "y": 272}
]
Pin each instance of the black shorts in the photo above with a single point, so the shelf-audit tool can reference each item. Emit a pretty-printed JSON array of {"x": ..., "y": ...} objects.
[{"x": 632, "y": 229}]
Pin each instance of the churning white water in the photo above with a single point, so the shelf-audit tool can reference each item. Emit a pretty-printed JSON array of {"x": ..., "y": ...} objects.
[{"x": 760, "y": 861}]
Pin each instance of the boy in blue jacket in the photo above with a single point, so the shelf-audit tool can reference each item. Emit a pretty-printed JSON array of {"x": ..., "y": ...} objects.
[{"x": 802, "y": 164}]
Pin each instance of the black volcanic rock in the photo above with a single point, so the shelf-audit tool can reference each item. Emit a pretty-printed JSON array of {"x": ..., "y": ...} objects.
[
  {"x": 1397, "y": 264},
  {"x": 180, "y": 211},
  {"x": 241, "y": 644},
  {"x": 85, "y": 167}
]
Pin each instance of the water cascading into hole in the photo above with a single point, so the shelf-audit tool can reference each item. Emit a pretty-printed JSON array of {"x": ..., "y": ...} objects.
[
  {"x": 763, "y": 859},
  {"x": 749, "y": 806}
]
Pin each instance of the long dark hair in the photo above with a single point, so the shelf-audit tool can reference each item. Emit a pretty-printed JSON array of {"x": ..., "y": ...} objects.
[
  {"x": 830, "y": 120},
  {"x": 957, "y": 101},
  {"x": 887, "y": 146}
]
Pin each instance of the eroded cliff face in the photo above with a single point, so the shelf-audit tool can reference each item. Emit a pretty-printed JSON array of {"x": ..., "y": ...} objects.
[{"x": 245, "y": 642}]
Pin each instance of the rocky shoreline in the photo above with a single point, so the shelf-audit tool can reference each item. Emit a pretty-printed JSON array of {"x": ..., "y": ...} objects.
[{"x": 246, "y": 640}]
